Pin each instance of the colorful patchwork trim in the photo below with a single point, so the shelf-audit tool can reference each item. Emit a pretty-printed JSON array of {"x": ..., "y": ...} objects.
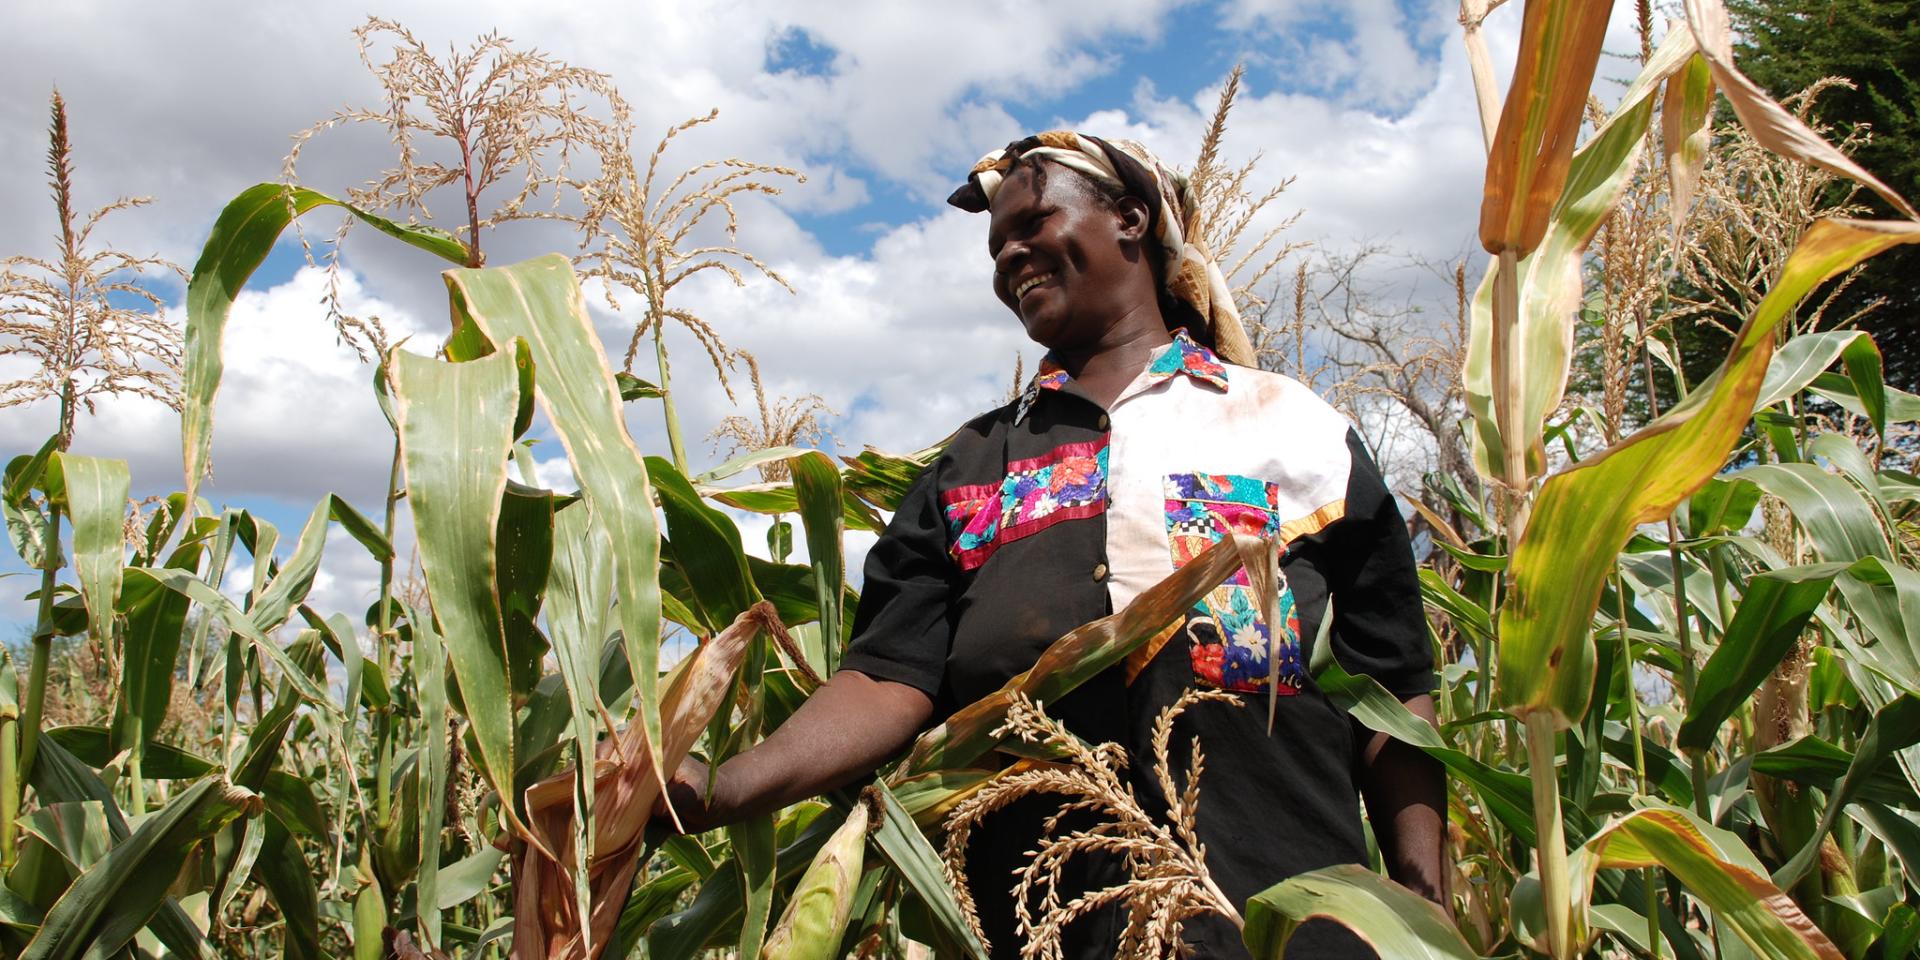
[
  {"x": 1184, "y": 356},
  {"x": 1067, "y": 483},
  {"x": 1231, "y": 644}
]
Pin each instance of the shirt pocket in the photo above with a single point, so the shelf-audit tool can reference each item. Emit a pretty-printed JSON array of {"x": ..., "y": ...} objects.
[{"x": 1229, "y": 642}]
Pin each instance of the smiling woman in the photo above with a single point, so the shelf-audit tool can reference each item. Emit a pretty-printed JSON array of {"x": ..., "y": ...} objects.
[{"x": 1146, "y": 437}]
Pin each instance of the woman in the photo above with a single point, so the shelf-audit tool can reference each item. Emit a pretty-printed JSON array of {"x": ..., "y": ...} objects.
[{"x": 1145, "y": 437}]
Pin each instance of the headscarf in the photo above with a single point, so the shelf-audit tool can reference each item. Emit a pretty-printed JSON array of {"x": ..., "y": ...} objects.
[{"x": 1190, "y": 276}]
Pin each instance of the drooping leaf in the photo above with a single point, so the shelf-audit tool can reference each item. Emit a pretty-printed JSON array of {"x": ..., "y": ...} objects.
[
  {"x": 817, "y": 484},
  {"x": 242, "y": 237},
  {"x": 1395, "y": 921},
  {"x": 1774, "y": 610},
  {"x": 540, "y": 301},
  {"x": 215, "y": 603},
  {"x": 1893, "y": 728},
  {"x": 456, "y": 427},
  {"x": 156, "y": 619},
  {"x": 93, "y": 492},
  {"x": 705, "y": 545},
  {"x": 119, "y": 894},
  {"x": 1717, "y": 869},
  {"x": 1584, "y": 515},
  {"x": 95, "y": 747},
  {"x": 907, "y": 850},
  {"x": 579, "y": 598}
]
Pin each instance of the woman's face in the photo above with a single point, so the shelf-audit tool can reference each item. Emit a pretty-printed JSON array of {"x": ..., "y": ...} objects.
[{"x": 1066, "y": 263}]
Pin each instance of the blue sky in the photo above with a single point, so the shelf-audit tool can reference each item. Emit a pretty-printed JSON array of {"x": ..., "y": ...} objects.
[{"x": 884, "y": 105}]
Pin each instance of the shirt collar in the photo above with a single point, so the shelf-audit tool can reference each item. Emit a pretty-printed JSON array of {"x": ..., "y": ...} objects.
[{"x": 1184, "y": 355}]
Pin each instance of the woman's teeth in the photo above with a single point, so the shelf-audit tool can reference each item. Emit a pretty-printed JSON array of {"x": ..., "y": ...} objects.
[{"x": 1029, "y": 284}]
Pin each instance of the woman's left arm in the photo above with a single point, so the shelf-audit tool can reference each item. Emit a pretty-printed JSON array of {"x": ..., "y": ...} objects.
[{"x": 1406, "y": 796}]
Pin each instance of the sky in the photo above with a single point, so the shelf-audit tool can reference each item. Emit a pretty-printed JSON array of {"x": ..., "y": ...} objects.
[{"x": 884, "y": 105}]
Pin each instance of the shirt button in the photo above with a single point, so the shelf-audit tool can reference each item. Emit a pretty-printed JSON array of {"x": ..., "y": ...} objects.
[
  {"x": 1099, "y": 572},
  {"x": 1106, "y": 422}
]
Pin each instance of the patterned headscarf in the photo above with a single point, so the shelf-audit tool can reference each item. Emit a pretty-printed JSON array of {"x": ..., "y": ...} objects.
[{"x": 1191, "y": 275}]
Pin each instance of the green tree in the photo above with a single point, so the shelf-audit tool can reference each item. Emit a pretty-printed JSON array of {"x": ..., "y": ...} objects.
[{"x": 1790, "y": 44}]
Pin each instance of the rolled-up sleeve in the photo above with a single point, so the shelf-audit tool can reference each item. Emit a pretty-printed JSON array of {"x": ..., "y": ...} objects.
[{"x": 902, "y": 631}]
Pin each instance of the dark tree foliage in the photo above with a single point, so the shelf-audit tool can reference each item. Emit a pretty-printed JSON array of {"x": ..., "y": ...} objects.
[{"x": 1789, "y": 44}]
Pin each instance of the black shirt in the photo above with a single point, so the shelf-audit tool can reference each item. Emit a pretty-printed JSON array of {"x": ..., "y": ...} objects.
[{"x": 1040, "y": 515}]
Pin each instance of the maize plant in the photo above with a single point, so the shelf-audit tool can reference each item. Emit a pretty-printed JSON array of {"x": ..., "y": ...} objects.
[{"x": 473, "y": 767}]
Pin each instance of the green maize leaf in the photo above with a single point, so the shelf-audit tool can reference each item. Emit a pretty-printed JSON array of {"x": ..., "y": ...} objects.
[
  {"x": 1843, "y": 454},
  {"x": 119, "y": 894},
  {"x": 463, "y": 880},
  {"x": 928, "y": 798},
  {"x": 1895, "y": 828},
  {"x": 27, "y": 523},
  {"x": 821, "y": 904},
  {"x": 903, "y": 846},
  {"x": 94, "y": 746},
  {"x": 359, "y": 527},
  {"x": 270, "y": 730},
  {"x": 1721, "y": 505},
  {"x": 429, "y": 810},
  {"x": 779, "y": 498},
  {"x": 646, "y": 905},
  {"x": 524, "y": 541},
  {"x": 715, "y": 913},
  {"x": 58, "y": 777},
  {"x": 967, "y": 735},
  {"x": 1506, "y": 795},
  {"x": 882, "y": 479},
  {"x": 780, "y": 540},
  {"x": 579, "y": 597},
  {"x": 753, "y": 849},
  {"x": 1540, "y": 337},
  {"x": 291, "y": 799},
  {"x": 455, "y": 431},
  {"x": 156, "y": 619},
  {"x": 76, "y": 831},
  {"x": 283, "y": 870},
  {"x": 1715, "y": 868},
  {"x": 539, "y": 301},
  {"x": 816, "y": 482},
  {"x": 1836, "y": 518},
  {"x": 1468, "y": 616},
  {"x": 633, "y": 388},
  {"x": 744, "y": 462},
  {"x": 235, "y": 853},
  {"x": 242, "y": 237},
  {"x": 160, "y": 529},
  {"x": 1395, "y": 921},
  {"x": 1894, "y": 727},
  {"x": 214, "y": 602},
  {"x": 1584, "y": 515},
  {"x": 705, "y": 545},
  {"x": 93, "y": 492},
  {"x": 1803, "y": 359},
  {"x": 1772, "y": 614},
  {"x": 294, "y": 579},
  {"x": 1902, "y": 407}
]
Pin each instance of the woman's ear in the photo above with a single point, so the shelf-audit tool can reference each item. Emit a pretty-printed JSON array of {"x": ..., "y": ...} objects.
[{"x": 1134, "y": 218}]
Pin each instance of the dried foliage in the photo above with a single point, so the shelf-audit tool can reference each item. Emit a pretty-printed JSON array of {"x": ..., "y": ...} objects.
[
  {"x": 1167, "y": 881},
  {"x": 493, "y": 115},
  {"x": 1228, "y": 208},
  {"x": 81, "y": 316},
  {"x": 647, "y": 239},
  {"x": 785, "y": 421}
]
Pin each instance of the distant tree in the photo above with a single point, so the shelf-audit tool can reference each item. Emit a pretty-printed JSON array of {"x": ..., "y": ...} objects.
[{"x": 1787, "y": 46}]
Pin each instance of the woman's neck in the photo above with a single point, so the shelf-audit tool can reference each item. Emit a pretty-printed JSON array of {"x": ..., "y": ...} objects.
[{"x": 1105, "y": 369}]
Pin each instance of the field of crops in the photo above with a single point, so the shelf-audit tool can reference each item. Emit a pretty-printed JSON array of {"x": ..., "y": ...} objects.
[{"x": 1680, "y": 631}]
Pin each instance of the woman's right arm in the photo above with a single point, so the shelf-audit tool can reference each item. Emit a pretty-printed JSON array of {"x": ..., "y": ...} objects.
[{"x": 846, "y": 730}]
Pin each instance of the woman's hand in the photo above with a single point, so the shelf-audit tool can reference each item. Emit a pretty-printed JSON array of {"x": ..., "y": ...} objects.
[
  {"x": 846, "y": 729},
  {"x": 687, "y": 789}
]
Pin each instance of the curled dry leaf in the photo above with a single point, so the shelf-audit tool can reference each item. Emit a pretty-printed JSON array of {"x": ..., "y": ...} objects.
[{"x": 625, "y": 790}]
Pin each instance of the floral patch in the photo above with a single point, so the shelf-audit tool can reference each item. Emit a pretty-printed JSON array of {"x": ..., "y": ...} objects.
[
  {"x": 1230, "y": 642},
  {"x": 1067, "y": 483},
  {"x": 1189, "y": 357}
]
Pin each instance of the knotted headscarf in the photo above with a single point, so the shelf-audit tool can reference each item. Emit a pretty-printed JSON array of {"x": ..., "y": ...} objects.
[{"x": 1190, "y": 276}]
